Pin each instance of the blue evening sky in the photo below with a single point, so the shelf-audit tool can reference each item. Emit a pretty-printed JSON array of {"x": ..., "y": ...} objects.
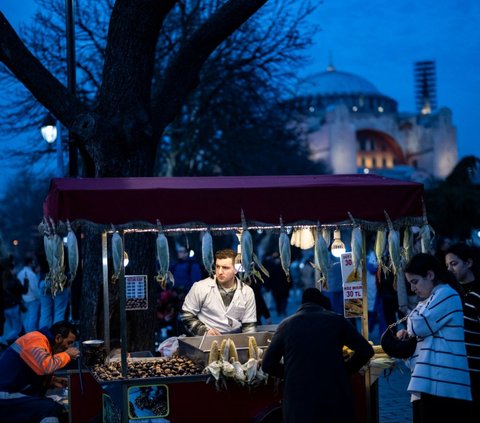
[{"x": 380, "y": 40}]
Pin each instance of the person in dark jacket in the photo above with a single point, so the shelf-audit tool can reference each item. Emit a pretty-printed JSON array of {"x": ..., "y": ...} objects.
[
  {"x": 462, "y": 261},
  {"x": 317, "y": 378},
  {"x": 27, "y": 369}
]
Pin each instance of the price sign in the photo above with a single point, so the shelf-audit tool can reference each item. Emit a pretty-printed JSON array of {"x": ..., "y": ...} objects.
[
  {"x": 136, "y": 292},
  {"x": 352, "y": 287}
]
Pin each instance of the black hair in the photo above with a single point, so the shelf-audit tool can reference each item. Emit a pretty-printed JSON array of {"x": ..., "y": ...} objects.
[
  {"x": 465, "y": 252},
  {"x": 313, "y": 295},
  {"x": 63, "y": 328},
  {"x": 422, "y": 263}
]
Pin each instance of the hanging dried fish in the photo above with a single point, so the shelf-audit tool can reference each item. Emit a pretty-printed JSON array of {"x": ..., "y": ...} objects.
[
  {"x": 284, "y": 249},
  {"x": 396, "y": 263},
  {"x": 117, "y": 255},
  {"x": 207, "y": 253},
  {"x": 163, "y": 259},
  {"x": 246, "y": 244},
  {"x": 321, "y": 258},
  {"x": 72, "y": 249}
]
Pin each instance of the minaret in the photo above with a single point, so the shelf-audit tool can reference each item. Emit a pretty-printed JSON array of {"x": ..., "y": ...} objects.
[{"x": 425, "y": 87}]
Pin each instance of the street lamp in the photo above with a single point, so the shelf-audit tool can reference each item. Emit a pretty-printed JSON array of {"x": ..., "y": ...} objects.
[
  {"x": 50, "y": 130},
  {"x": 71, "y": 79}
]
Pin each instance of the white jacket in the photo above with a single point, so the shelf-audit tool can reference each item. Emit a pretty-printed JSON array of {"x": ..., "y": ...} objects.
[
  {"x": 33, "y": 292},
  {"x": 205, "y": 301}
]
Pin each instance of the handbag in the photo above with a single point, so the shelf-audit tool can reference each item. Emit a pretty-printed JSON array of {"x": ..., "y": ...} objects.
[{"x": 397, "y": 348}]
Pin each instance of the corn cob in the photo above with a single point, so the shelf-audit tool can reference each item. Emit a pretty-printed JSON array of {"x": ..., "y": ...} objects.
[
  {"x": 58, "y": 267},
  {"x": 246, "y": 244},
  {"x": 426, "y": 237},
  {"x": 233, "y": 354},
  {"x": 72, "y": 248},
  {"x": 396, "y": 263},
  {"x": 117, "y": 255},
  {"x": 48, "y": 245},
  {"x": 252, "y": 348},
  {"x": 407, "y": 250},
  {"x": 326, "y": 236},
  {"x": 214, "y": 352},
  {"x": 222, "y": 348},
  {"x": 207, "y": 252},
  {"x": 357, "y": 247},
  {"x": 380, "y": 243},
  {"x": 225, "y": 349},
  {"x": 163, "y": 259},
  {"x": 284, "y": 249},
  {"x": 321, "y": 258}
]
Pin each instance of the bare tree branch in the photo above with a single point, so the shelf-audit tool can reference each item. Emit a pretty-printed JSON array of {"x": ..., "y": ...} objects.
[
  {"x": 182, "y": 74},
  {"x": 36, "y": 78}
]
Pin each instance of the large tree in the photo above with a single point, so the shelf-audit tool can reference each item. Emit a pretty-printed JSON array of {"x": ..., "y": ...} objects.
[
  {"x": 137, "y": 79},
  {"x": 134, "y": 79}
]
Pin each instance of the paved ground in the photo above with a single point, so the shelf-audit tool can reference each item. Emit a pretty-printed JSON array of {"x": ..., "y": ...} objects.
[{"x": 394, "y": 401}]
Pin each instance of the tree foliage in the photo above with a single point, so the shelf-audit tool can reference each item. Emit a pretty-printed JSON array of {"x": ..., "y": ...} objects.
[
  {"x": 142, "y": 63},
  {"x": 454, "y": 205}
]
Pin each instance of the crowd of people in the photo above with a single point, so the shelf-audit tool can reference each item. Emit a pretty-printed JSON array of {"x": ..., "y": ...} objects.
[
  {"x": 444, "y": 319},
  {"x": 26, "y": 300}
]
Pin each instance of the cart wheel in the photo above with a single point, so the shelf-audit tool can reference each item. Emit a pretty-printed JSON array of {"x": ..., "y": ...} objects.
[{"x": 273, "y": 416}]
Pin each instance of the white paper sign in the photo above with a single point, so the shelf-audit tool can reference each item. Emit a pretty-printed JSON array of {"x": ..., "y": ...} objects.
[
  {"x": 352, "y": 287},
  {"x": 136, "y": 292}
]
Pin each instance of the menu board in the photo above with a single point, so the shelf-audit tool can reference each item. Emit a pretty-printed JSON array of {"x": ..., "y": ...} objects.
[
  {"x": 136, "y": 292},
  {"x": 352, "y": 287}
]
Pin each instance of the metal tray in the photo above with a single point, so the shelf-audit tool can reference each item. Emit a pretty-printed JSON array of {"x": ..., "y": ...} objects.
[{"x": 198, "y": 351}]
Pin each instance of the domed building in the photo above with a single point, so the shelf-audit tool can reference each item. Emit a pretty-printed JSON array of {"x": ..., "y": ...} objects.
[{"x": 352, "y": 127}]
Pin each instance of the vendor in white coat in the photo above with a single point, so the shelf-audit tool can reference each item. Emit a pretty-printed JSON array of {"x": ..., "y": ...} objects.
[{"x": 222, "y": 304}]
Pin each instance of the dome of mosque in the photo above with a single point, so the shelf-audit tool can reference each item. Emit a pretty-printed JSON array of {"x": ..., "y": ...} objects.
[{"x": 336, "y": 83}]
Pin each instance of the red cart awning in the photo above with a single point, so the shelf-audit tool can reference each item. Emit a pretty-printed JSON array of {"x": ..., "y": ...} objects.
[{"x": 218, "y": 200}]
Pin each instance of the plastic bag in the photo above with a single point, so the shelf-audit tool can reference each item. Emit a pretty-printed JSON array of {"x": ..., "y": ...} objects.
[{"x": 168, "y": 347}]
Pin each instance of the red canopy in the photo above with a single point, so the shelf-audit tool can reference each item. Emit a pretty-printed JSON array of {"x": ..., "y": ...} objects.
[{"x": 218, "y": 200}]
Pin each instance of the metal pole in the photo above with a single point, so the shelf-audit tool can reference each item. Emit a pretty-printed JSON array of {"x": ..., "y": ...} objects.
[
  {"x": 106, "y": 299},
  {"x": 59, "y": 150},
  {"x": 71, "y": 81}
]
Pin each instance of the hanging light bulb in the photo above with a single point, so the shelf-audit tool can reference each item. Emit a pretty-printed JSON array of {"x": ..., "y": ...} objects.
[
  {"x": 125, "y": 259},
  {"x": 338, "y": 247}
]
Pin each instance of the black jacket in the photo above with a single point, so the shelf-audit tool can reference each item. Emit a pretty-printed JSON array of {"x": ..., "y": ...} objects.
[{"x": 317, "y": 379}]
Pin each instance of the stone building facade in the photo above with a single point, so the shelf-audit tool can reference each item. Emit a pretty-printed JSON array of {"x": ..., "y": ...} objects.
[{"x": 352, "y": 127}]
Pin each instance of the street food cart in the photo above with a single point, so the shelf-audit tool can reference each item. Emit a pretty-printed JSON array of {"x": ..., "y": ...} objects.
[{"x": 193, "y": 204}]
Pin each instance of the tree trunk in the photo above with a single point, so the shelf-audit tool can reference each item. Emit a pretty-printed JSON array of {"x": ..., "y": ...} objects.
[{"x": 140, "y": 323}]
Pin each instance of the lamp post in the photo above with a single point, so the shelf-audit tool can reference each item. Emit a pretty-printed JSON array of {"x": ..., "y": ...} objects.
[
  {"x": 50, "y": 132},
  {"x": 71, "y": 80}
]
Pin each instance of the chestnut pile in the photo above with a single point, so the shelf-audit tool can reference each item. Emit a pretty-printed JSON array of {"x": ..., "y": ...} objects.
[{"x": 160, "y": 367}]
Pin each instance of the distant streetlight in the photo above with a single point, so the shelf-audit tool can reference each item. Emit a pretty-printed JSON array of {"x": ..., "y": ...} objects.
[{"x": 50, "y": 130}]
